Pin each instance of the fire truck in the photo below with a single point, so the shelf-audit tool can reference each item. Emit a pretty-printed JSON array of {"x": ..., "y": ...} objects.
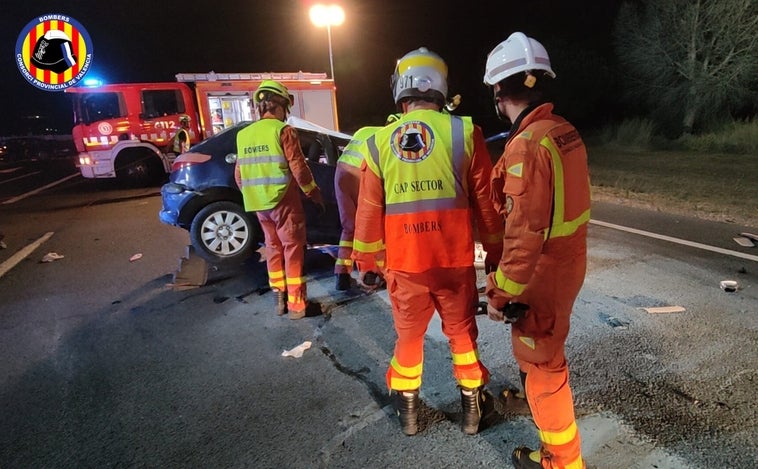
[{"x": 126, "y": 130}]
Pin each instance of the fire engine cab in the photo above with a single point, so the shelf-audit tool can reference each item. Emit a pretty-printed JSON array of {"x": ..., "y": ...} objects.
[{"x": 126, "y": 130}]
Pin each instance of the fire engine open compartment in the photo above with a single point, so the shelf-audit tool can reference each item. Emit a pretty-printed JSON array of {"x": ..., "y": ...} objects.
[{"x": 224, "y": 99}]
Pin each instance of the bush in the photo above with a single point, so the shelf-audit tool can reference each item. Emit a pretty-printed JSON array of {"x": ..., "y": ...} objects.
[
  {"x": 631, "y": 134},
  {"x": 737, "y": 137}
]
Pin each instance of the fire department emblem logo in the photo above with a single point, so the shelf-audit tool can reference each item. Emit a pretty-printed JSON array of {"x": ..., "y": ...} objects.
[
  {"x": 53, "y": 52},
  {"x": 412, "y": 142}
]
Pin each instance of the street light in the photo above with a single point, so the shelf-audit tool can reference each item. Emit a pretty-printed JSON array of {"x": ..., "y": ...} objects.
[{"x": 327, "y": 15}]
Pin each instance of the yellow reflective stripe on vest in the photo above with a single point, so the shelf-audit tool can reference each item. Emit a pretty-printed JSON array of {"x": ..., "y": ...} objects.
[
  {"x": 560, "y": 226},
  {"x": 508, "y": 285},
  {"x": 352, "y": 155},
  {"x": 559, "y": 438}
]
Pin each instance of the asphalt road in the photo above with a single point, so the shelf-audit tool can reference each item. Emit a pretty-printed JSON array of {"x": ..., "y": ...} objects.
[{"x": 106, "y": 365}]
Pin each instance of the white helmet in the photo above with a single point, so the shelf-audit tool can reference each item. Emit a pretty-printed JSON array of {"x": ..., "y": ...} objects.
[
  {"x": 420, "y": 73},
  {"x": 518, "y": 53}
]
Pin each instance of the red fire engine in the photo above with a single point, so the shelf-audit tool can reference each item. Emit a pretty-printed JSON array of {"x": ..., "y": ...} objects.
[{"x": 126, "y": 130}]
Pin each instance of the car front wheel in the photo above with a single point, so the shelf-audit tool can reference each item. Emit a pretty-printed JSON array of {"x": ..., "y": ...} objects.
[{"x": 223, "y": 233}]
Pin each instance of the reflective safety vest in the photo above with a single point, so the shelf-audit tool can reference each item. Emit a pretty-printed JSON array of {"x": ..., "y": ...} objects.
[
  {"x": 178, "y": 143},
  {"x": 351, "y": 155},
  {"x": 424, "y": 161},
  {"x": 264, "y": 172}
]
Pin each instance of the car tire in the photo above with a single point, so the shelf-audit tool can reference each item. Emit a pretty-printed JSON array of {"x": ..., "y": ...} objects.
[{"x": 223, "y": 233}]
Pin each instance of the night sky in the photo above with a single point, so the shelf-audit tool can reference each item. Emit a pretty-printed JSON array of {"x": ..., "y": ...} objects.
[{"x": 153, "y": 40}]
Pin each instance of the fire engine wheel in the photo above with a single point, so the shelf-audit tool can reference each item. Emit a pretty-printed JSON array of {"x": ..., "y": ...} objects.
[
  {"x": 137, "y": 169},
  {"x": 223, "y": 233}
]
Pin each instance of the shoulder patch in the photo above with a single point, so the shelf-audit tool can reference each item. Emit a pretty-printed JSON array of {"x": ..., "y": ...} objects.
[
  {"x": 527, "y": 135},
  {"x": 516, "y": 170}
]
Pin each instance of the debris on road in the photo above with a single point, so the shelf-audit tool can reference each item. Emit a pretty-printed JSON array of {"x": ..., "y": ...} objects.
[
  {"x": 136, "y": 257},
  {"x": 51, "y": 256},
  {"x": 665, "y": 309},
  {"x": 297, "y": 352},
  {"x": 751, "y": 236},
  {"x": 729, "y": 286},
  {"x": 744, "y": 241}
]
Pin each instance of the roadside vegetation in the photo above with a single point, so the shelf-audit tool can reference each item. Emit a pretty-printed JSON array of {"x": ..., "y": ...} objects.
[{"x": 710, "y": 175}]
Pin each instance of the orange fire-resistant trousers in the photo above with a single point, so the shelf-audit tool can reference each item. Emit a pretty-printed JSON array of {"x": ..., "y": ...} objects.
[
  {"x": 415, "y": 297},
  {"x": 538, "y": 342},
  {"x": 347, "y": 179},
  {"x": 284, "y": 231}
]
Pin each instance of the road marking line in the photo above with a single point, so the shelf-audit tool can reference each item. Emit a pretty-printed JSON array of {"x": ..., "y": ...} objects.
[
  {"x": 21, "y": 177},
  {"x": 676, "y": 240},
  {"x": 40, "y": 189},
  {"x": 23, "y": 253}
]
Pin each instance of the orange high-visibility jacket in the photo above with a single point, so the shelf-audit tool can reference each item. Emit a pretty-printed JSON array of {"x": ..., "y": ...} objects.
[
  {"x": 541, "y": 186},
  {"x": 424, "y": 182}
]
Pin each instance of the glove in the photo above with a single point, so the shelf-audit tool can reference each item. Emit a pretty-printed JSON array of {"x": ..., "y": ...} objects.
[
  {"x": 370, "y": 281},
  {"x": 490, "y": 264},
  {"x": 511, "y": 313},
  {"x": 515, "y": 311}
]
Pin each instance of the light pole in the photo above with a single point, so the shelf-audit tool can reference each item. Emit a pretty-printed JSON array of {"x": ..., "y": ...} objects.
[{"x": 327, "y": 15}]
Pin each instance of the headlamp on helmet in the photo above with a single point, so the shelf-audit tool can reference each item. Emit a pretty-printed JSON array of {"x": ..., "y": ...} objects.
[{"x": 270, "y": 88}]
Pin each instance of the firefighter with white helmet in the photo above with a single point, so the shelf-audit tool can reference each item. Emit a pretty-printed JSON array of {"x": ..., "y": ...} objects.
[
  {"x": 423, "y": 174},
  {"x": 270, "y": 170},
  {"x": 541, "y": 187}
]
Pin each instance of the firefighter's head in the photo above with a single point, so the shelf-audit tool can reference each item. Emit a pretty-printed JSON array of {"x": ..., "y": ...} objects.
[
  {"x": 518, "y": 69},
  {"x": 420, "y": 75},
  {"x": 271, "y": 95},
  {"x": 184, "y": 120}
]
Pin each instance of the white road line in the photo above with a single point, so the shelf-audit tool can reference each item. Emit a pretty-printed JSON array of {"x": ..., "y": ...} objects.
[
  {"x": 676, "y": 240},
  {"x": 20, "y": 177},
  {"x": 39, "y": 189},
  {"x": 22, "y": 253}
]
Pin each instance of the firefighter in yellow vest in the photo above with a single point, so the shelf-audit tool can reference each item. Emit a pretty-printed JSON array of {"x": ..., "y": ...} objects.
[
  {"x": 180, "y": 143},
  {"x": 347, "y": 180},
  {"x": 271, "y": 170},
  {"x": 424, "y": 180}
]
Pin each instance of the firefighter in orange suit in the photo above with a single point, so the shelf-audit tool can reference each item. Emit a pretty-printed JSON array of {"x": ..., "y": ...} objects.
[
  {"x": 424, "y": 182},
  {"x": 346, "y": 182},
  {"x": 541, "y": 186},
  {"x": 270, "y": 168}
]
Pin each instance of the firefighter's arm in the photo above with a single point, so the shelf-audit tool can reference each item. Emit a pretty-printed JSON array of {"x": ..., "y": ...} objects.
[
  {"x": 488, "y": 221},
  {"x": 237, "y": 174},
  {"x": 525, "y": 184},
  {"x": 368, "y": 240},
  {"x": 298, "y": 165}
]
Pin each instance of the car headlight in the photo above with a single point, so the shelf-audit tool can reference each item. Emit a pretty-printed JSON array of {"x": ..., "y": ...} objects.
[{"x": 173, "y": 188}]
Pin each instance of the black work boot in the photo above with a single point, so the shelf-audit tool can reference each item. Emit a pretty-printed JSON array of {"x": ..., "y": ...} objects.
[
  {"x": 280, "y": 302},
  {"x": 524, "y": 458},
  {"x": 343, "y": 282},
  {"x": 473, "y": 402},
  {"x": 407, "y": 405}
]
